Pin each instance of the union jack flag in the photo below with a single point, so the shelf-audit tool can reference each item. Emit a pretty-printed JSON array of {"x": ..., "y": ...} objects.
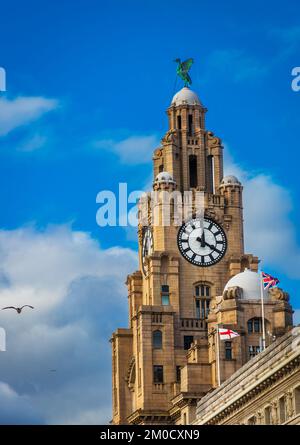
[{"x": 269, "y": 281}]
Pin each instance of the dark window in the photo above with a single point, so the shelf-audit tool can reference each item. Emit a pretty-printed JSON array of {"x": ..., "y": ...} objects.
[
  {"x": 165, "y": 295},
  {"x": 210, "y": 173},
  {"x": 190, "y": 122},
  {"x": 193, "y": 171},
  {"x": 253, "y": 351},
  {"x": 187, "y": 341},
  {"x": 161, "y": 168},
  {"x": 202, "y": 293},
  {"x": 157, "y": 339},
  {"x": 179, "y": 122},
  {"x": 202, "y": 290},
  {"x": 228, "y": 350},
  {"x": 178, "y": 374},
  {"x": 254, "y": 325},
  {"x": 158, "y": 374}
]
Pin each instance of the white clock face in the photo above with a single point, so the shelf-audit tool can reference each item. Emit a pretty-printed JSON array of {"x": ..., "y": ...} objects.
[
  {"x": 147, "y": 248},
  {"x": 202, "y": 242}
]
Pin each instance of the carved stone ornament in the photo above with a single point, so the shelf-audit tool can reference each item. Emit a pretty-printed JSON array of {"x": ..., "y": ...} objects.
[
  {"x": 170, "y": 137},
  {"x": 233, "y": 293},
  {"x": 278, "y": 294},
  {"x": 212, "y": 140}
]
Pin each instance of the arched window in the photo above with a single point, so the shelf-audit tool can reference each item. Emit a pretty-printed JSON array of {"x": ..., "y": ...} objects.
[
  {"x": 193, "y": 171},
  {"x": 254, "y": 325},
  {"x": 157, "y": 339},
  {"x": 202, "y": 300}
]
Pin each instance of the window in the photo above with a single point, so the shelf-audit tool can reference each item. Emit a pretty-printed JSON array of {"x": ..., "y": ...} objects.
[
  {"x": 253, "y": 351},
  {"x": 297, "y": 400},
  {"x": 210, "y": 173},
  {"x": 268, "y": 415},
  {"x": 179, "y": 122},
  {"x": 228, "y": 350},
  {"x": 165, "y": 295},
  {"x": 187, "y": 341},
  {"x": 202, "y": 295},
  {"x": 254, "y": 325},
  {"x": 190, "y": 122},
  {"x": 282, "y": 409},
  {"x": 178, "y": 374},
  {"x": 257, "y": 325},
  {"x": 202, "y": 290},
  {"x": 158, "y": 374},
  {"x": 157, "y": 339},
  {"x": 193, "y": 171},
  {"x": 161, "y": 168}
]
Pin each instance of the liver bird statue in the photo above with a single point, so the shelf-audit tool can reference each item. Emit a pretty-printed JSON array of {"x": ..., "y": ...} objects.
[{"x": 183, "y": 70}]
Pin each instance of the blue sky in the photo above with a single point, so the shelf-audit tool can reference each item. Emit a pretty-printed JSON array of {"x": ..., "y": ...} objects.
[{"x": 82, "y": 73}]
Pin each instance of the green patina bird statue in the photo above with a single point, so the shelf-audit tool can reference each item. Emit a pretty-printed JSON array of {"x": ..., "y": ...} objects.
[{"x": 183, "y": 70}]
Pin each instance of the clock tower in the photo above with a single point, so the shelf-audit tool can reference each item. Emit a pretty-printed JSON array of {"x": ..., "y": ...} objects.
[{"x": 166, "y": 360}]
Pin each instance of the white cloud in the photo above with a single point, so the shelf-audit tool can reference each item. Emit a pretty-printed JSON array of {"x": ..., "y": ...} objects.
[
  {"x": 132, "y": 150},
  {"x": 33, "y": 143},
  {"x": 22, "y": 111},
  {"x": 269, "y": 232},
  {"x": 57, "y": 360}
]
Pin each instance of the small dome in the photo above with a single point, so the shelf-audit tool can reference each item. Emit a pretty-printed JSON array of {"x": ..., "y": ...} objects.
[
  {"x": 185, "y": 97},
  {"x": 164, "y": 177},
  {"x": 230, "y": 180},
  {"x": 250, "y": 282}
]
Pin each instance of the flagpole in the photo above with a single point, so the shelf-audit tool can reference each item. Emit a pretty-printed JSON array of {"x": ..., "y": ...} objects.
[
  {"x": 262, "y": 311},
  {"x": 218, "y": 357}
]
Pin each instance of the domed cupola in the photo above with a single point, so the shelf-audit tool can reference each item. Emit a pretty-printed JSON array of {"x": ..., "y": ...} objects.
[
  {"x": 230, "y": 180},
  {"x": 250, "y": 284},
  {"x": 164, "y": 180},
  {"x": 185, "y": 97}
]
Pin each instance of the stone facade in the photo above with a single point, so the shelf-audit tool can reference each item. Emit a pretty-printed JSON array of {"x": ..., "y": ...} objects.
[
  {"x": 265, "y": 391},
  {"x": 165, "y": 361}
]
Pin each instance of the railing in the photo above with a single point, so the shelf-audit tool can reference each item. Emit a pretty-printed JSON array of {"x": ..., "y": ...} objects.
[
  {"x": 158, "y": 387},
  {"x": 193, "y": 323}
]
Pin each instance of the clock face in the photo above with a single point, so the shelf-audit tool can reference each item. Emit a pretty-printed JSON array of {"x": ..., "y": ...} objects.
[
  {"x": 202, "y": 242},
  {"x": 147, "y": 248}
]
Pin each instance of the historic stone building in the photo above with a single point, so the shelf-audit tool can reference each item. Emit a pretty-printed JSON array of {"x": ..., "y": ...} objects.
[
  {"x": 265, "y": 391},
  {"x": 193, "y": 276}
]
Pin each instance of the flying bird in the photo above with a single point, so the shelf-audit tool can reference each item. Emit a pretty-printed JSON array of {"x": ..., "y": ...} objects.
[{"x": 18, "y": 309}]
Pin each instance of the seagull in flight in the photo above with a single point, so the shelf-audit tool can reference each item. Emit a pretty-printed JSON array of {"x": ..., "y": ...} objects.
[{"x": 18, "y": 309}]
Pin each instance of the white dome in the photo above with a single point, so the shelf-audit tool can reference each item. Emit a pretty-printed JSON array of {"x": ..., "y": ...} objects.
[
  {"x": 250, "y": 282},
  {"x": 230, "y": 179},
  {"x": 185, "y": 97},
  {"x": 164, "y": 177}
]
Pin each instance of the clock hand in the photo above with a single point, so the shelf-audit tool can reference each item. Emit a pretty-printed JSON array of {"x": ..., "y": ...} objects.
[
  {"x": 213, "y": 248},
  {"x": 210, "y": 246},
  {"x": 201, "y": 240}
]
